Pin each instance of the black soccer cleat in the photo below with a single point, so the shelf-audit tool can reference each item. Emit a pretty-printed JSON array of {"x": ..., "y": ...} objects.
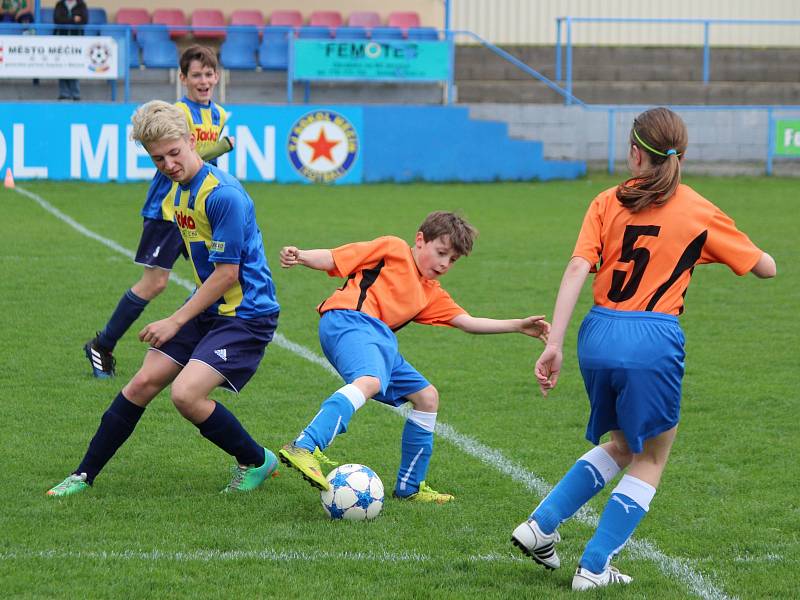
[{"x": 102, "y": 361}]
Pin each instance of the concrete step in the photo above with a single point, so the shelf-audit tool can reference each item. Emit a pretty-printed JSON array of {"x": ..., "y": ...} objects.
[
  {"x": 633, "y": 64},
  {"x": 626, "y": 92}
]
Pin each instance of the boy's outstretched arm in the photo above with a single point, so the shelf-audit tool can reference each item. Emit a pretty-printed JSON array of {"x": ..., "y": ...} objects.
[
  {"x": 225, "y": 144},
  {"x": 534, "y": 326},
  {"x": 321, "y": 260}
]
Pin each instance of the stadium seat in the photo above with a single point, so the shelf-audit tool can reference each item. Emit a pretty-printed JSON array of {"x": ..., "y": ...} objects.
[
  {"x": 132, "y": 17},
  {"x": 352, "y": 33},
  {"x": 326, "y": 18},
  {"x": 386, "y": 33},
  {"x": 273, "y": 53},
  {"x": 152, "y": 34},
  {"x": 160, "y": 55},
  {"x": 237, "y": 55},
  {"x": 174, "y": 18},
  {"x": 133, "y": 59},
  {"x": 315, "y": 32},
  {"x": 247, "y": 17},
  {"x": 244, "y": 36},
  {"x": 208, "y": 18},
  {"x": 286, "y": 18},
  {"x": 423, "y": 33},
  {"x": 403, "y": 20},
  {"x": 97, "y": 16},
  {"x": 364, "y": 18},
  {"x": 46, "y": 15}
]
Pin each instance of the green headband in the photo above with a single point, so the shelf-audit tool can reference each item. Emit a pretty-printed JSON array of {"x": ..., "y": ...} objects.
[{"x": 653, "y": 150}]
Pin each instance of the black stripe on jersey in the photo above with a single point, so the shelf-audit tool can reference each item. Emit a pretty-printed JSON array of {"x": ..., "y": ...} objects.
[
  {"x": 344, "y": 285},
  {"x": 687, "y": 261},
  {"x": 368, "y": 277}
]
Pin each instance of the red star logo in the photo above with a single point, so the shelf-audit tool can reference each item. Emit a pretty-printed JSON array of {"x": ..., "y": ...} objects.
[{"x": 322, "y": 146}]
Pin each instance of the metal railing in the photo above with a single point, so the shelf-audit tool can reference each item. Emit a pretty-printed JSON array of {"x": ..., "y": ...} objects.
[{"x": 567, "y": 23}]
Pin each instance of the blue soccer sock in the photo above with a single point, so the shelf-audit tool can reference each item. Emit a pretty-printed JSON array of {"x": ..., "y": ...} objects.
[
  {"x": 628, "y": 504},
  {"x": 415, "y": 451},
  {"x": 586, "y": 477},
  {"x": 116, "y": 426},
  {"x": 332, "y": 419},
  {"x": 223, "y": 429},
  {"x": 128, "y": 309}
]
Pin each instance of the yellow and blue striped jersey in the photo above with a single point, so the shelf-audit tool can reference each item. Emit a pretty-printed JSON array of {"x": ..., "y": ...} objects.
[
  {"x": 206, "y": 123},
  {"x": 217, "y": 220}
]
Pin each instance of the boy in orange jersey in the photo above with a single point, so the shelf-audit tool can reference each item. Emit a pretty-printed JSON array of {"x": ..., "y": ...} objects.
[{"x": 389, "y": 284}]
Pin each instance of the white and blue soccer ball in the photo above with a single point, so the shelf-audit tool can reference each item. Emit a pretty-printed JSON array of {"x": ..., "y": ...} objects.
[{"x": 356, "y": 493}]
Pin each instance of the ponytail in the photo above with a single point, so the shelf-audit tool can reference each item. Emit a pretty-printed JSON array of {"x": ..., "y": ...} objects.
[{"x": 653, "y": 130}]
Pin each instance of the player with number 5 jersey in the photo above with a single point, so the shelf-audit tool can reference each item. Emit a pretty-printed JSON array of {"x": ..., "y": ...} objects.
[{"x": 643, "y": 239}]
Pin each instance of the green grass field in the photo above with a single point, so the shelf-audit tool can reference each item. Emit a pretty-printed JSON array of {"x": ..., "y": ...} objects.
[{"x": 725, "y": 522}]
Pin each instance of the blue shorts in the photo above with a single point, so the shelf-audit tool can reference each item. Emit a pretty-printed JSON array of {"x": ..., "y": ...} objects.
[
  {"x": 232, "y": 346},
  {"x": 632, "y": 366},
  {"x": 358, "y": 345},
  {"x": 160, "y": 245}
]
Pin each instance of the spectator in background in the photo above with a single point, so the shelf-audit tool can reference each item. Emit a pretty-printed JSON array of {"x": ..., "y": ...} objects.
[
  {"x": 70, "y": 12},
  {"x": 16, "y": 11}
]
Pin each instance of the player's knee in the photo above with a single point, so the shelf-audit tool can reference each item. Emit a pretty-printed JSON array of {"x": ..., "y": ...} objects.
[
  {"x": 183, "y": 398},
  {"x": 143, "y": 386},
  {"x": 427, "y": 400},
  {"x": 369, "y": 386}
]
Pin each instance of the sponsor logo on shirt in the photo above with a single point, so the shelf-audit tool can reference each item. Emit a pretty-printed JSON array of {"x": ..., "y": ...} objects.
[{"x": 217, "y": 246}]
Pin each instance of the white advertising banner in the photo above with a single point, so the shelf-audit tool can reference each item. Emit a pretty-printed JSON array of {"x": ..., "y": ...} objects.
[{"x": 58, "y": 57}]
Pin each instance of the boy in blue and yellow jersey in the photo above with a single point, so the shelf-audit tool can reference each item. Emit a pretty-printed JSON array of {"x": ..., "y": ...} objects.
[
  {"x": 161, "y": 243},
  {"x": 388, "y": 285},
  {"x": 219, "y": 335}
]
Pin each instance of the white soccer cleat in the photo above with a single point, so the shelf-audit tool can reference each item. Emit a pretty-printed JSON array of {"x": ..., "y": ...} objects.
[
  {"x": 586, "y": 580},
  {"x": 540, "y": 546}
]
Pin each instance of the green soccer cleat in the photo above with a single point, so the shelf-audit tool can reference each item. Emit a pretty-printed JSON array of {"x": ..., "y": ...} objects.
[
  {"x": 426, "y": 494},
  {"x": 307, "y": 463},
  {"x": 246, "y": 479},
  {"x": 71, "y": 485}
]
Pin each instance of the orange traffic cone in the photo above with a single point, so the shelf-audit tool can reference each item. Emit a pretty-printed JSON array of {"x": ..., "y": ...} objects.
[{"x": 9, "y": 180}]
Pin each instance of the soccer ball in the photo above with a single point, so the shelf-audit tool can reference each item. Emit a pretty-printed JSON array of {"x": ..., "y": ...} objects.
[{"x": 356, "y": 493}]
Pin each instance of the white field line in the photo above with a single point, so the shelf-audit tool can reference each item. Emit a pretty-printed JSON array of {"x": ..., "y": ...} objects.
[
  {"x": 675, "y": 568},
  {"x": 267, "y": 555}
]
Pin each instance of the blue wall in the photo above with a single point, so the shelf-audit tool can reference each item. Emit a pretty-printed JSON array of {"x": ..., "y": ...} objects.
[{"x": 337, "y": 144}]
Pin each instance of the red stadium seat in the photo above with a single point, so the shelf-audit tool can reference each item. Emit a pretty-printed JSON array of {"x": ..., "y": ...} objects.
[
  {"x": 132, "y": 17},
  {"x": 326, "y": 18},
  {"x": 208, "y": 18},
  {"x": 286, "y": 18},
  {"x": 174, "y": 18},
  {"x": 404, "y": 20},
  {"x": 364, "y": 18},
  {"x": 247, "y": 17}
]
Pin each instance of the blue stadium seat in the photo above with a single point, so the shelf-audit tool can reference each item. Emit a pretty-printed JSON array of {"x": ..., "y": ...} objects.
[
  {"x": 273, "y": 53},
  {"x": 133, "y": 59},
  {"x": 147, "y": 34},
  {"x": 387, "y": 33},
  {"x": 234, "y": 55},
  {"x": 423, "y": 33},
  {"x": 351, "y": 33},
  {"x": 97, "y": 16},
  {"x": 243, "y": 36},
  {"x": 160, "y": 54},
  {"x": 46, "y": 15},
  {"x": 314, "y": 32}
]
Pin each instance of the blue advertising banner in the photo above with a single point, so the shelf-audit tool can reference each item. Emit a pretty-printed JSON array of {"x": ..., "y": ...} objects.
[
  {"x": 276, "y": 143},
  {"x": 395, "y": 60}
]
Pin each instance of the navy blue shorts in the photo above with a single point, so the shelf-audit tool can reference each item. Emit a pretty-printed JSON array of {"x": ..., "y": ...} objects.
[
  {"x": 632, "y": 365},
  {"x": 232, "y": 346},
  {"x": 359, "y": 345},
  {"x": 160, "y": 245}
]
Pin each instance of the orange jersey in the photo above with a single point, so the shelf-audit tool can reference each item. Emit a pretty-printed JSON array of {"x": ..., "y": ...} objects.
[
  {"x": 383, "y": 281},
  {"x": 646, "y": 258}
]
